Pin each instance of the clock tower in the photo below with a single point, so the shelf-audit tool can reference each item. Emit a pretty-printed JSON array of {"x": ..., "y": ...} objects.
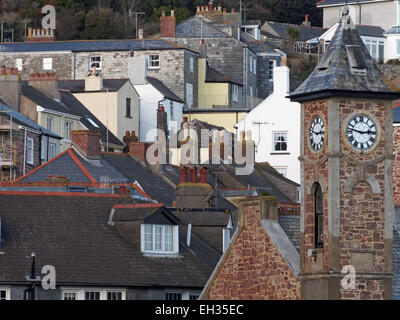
[{"x": 346, "y": 173}]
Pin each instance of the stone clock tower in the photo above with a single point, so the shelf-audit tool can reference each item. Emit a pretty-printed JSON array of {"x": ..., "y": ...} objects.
[{"x": 346, "y": 173}]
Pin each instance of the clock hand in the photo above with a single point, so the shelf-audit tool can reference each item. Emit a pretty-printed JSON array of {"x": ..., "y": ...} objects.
[{"x": 362, "y": 132}]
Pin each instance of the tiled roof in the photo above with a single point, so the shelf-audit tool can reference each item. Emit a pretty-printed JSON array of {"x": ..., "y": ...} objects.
[
  {"x": 72, "y": 234},
  {"x": 370, "y": 31},
  {"x": 164, "y": 90},
  {"x": 79, "y": 85},
  {"x": 90, "y": 45},
  {"x": 24, "y": 121},
  {"x": 346, "y": 68}
]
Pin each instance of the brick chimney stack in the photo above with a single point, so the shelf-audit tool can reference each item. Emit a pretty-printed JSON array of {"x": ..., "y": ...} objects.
[
  {"x": 136, "y": 149},
  {"x": 193, "y": 194},
  {"x": 167, "y": 25},
  {"x": 162, "y": 122},
  {"x": 45, "y": 83},
  {"x": 307, "y": 22},
  {"x": 40, "y": 35},
  {"x": 87, "y": 142}
]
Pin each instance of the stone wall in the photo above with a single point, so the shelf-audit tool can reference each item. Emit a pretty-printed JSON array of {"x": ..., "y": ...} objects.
[
  {"x": 396, "y": 166},
  {"x": 253, "y": 268},
  {"x": 362, "y": 241}
]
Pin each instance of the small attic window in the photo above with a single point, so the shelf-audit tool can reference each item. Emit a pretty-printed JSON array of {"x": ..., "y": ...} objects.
[
  {"x": 159, "y": 239},
  {"x": 356, "y": 61},
  {"x": 326, "y": 61}
]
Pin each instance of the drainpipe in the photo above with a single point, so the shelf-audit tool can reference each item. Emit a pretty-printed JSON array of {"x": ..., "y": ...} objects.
[
  {"x": 359, "y": 13},
  {"x": 23, "y": 173},
  {"x": 398, "y": 12}
]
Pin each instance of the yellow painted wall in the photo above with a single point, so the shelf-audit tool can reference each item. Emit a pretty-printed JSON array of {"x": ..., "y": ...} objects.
[
  {"x": 211, "y": 94},
  {"x": 226, "y": 120}
]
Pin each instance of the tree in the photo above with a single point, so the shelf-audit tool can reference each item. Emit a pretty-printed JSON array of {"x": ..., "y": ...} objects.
[
  {"x": 294, "y": 33},
  {"x": 103, "y": 23}
]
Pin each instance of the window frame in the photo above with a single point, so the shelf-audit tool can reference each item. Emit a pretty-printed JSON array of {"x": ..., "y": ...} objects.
[
  {"x": 281, "y": 142},
  {"x": 51, "y": 153},
  {"x": 271, "y": 67},
  {"x": 128, "y": 105},
  {"x": 318, "y": 217},
  {"x": 8, "y": 293},
  {"x": 235, "y": 93},
  {"x": 151, "y": 61},
  {"x": 191, "y": 64},
  {"x": 67, "y": 134},
  {"x": 19, "y": 63},
  {"x": 81, "y": 293},
  {"x": 30, "y": 150},
  {"x": 189, "y": 98},
  {"x": 47, "y": 63},
  {"x": 91, "y": 62},
  {"x": 162, "y": 250}
]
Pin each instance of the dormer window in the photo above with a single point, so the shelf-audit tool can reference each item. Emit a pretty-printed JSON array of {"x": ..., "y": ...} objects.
[{"x": 159, "y": 239}]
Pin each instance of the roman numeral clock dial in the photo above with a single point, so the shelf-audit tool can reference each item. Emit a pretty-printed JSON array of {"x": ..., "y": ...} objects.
[
  {"x": 361, "y": 132},
  {"x": 317, "y": 134}
]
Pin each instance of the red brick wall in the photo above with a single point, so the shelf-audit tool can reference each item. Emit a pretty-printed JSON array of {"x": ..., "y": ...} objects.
[
  {"x": 167, "y": 27},
  {"x": 254, "y": 269},
  {"x": 87, "y": 142}
]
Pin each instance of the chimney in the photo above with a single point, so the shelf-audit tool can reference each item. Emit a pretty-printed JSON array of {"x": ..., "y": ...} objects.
[
  {"x": 136, "y": 149},
  {"x": 45, "y": 83},
  {"x": 281, "y": 80},
  {"x": 210, "y": 6},
  {"x": 203, "y": 49},
  {"x": 162, "y": 122},
  {"x": 167, "y": 25},
  {"x": 40, "y": 35},
  {"x": 183, "y": 171},
  {"x": 140, "y": 34},
  {"x": 94, "y": 80},
  {"x": 192, "y": 194},
  {"x": 10, "y": 86},
  {"x": 203, "y": 175},
  {"x": 87, "y": 142},
  {"x": 306, "y": 21},
  {"x": 198, "y": 9},
  {"x": 193, "y": 175}
]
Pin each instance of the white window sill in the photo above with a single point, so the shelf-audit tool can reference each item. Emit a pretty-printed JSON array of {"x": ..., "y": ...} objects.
[
  {"x": 153, "y": 68},
  {"x": 161, "y": 254}
]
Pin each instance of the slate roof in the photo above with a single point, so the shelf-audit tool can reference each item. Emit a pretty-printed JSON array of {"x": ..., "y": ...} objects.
[
  {"x": 324, "y": 3},
  {"x": 197, "y": 27},
  {"x": 335, "y": 74},
  {"x": 88, "y": 119},
  {"x": 396, "y": 114},
  {"x": 396, "y": 262},
  {"x": 213, "y": 75},
  {"x": 164, "y": 90},
  {"x": 112, "y": 85},
  {"x": 306, "y": 32},
  {"x": 44, "y": 101},
  {"x": 86, "y": 250},
  {"x": 291, "y": 225},
  {"x": 370, "y": 31},
  {"x": 24, "y": 121},
  {"x": 90, "y": 46},
  {"x": 263, "y": 47}
]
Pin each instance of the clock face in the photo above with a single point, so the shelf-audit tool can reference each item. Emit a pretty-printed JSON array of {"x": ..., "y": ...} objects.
[
  {"x": 361, "y": 132},
  {"x": 317, "y": 133}
]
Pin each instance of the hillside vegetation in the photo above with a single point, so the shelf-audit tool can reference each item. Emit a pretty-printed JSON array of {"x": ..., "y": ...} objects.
[{"x": 104, "y": 19}]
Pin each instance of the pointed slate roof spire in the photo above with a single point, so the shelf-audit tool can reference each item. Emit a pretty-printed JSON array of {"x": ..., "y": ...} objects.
[{"x": 346, "y": 69}]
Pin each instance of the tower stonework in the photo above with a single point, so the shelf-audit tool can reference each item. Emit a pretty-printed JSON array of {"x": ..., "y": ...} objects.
[{"x": 346, "y": 173}]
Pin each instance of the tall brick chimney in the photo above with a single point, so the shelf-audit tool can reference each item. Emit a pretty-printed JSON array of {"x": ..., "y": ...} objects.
[
  {"x": 162, "y": 122},
  {"x": 307, "y": 22},
  {"x": 87, "y": 142},
  {"x": 167, "y": 25}
]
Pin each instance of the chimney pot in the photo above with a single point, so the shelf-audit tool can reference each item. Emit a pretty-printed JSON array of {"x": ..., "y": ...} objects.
[
  {"x": 193, "y": 175},
  {"x": 307, "y": 17},
  {"x": 133, "y": 134},
  {"x": 161, "y": 108},
  {"x": 203, "y": 175},
  {"x": 32, "y": 76},
  {"x": 10, "y": 71},
  {"x": 172, "y": 13},
  {"x": 163, "y": 13},
  {"x": 16, "y": 71},
  {"x": 43, "y": 76},
  {"x": 127, "y": 134},
  {"x": 185, "y": 119},
  {"x": 3, "y": 70},
  {"x": 183, "y": 171},
  {"x": 224, "y": 10},
  {"x": 198, "y": 9}
]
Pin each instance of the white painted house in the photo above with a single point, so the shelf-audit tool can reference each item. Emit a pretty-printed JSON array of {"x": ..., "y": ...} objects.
[
  {"x": 275, "y": 127},
  {"x": 152, "y": 94}
]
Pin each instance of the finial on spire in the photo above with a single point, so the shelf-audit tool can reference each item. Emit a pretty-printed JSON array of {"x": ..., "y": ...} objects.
[{"x": 347, "y": 22}]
